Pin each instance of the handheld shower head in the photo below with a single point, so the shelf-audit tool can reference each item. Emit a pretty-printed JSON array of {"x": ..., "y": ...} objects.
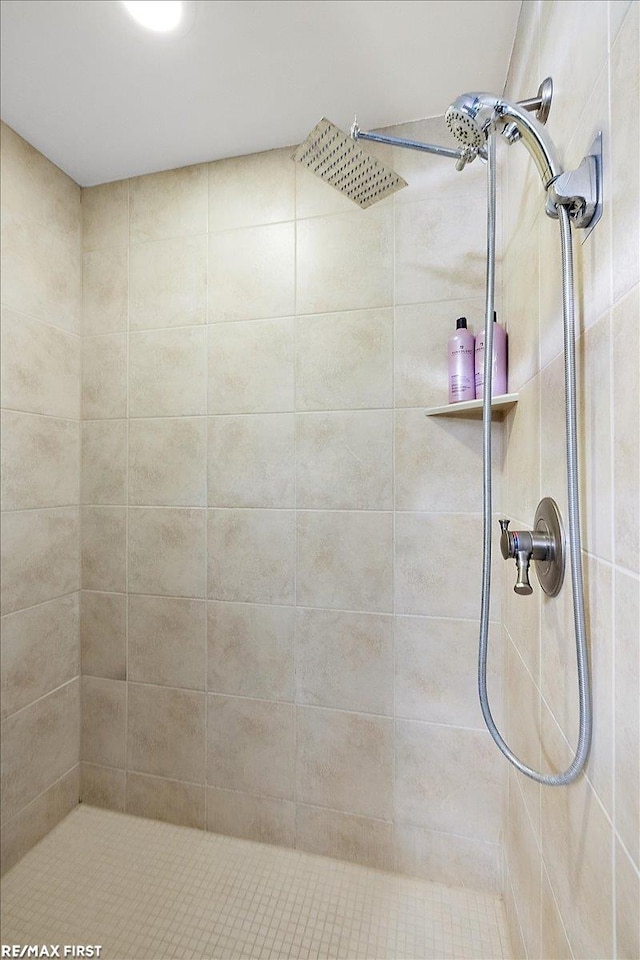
[
  {"x": 463, "y": 120},
  {"x": 473, "y": 116}
]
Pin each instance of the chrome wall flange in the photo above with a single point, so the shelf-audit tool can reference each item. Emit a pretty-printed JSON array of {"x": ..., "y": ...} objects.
[{"x": 541, "y": 103}]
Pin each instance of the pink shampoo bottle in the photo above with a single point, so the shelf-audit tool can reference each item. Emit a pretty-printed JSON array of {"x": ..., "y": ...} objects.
[{"x": 461, "y": 370}]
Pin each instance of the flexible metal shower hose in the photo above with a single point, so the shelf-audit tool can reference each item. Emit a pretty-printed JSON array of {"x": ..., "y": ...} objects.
[{"x": 575, "y": 551}]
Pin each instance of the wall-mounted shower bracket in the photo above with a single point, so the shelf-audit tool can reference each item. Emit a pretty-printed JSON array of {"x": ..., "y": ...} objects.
[
  {"x": 544, "y": 545},
  {"x": 541, "y": 103},
  {"x": 580, "y": 191}
]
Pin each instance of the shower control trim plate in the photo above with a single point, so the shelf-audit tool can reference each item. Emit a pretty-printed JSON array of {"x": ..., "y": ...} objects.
[
  {"x": 544, "y": 545},
  {"x": 550, "y": 570}
]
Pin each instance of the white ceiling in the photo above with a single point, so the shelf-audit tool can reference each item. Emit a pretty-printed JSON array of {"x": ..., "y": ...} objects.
[{"x": 105, "y": 99}]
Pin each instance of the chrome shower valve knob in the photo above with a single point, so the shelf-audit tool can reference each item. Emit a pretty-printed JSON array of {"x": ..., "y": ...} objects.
[{"x": 524, "y": 546}]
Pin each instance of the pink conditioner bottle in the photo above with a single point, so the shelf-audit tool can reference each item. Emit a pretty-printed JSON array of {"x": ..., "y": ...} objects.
[
  {"x": 499, "y": 369},
  {"x": 461, "y": 369}
]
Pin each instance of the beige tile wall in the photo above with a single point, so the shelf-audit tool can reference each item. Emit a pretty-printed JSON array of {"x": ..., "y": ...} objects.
[
  {"x": 572, "y": 853},
  {"x": 41, "y": 307},
  {"x": 277, "y": 642}
]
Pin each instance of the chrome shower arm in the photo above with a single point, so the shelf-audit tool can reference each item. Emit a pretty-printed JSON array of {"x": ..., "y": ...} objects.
[{"x": 454, "y": 153}]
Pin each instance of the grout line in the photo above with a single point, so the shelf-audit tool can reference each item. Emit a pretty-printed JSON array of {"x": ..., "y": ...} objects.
[
  {"x": 48, "y": 507},
  {"x": 44, "y": 416},
  {"x": 612, "y": 526},
  {"x": 285, "y": 316},
  {"x": 295, "y": 519},
  {"x": 206, "y": 525},
  {"x": 9, "y": 820},
  {"x": 127, "y": 511},
  {"x": 41, "y": 603},
  {"x": 45, "y": 323},
  {"x": 394, "y": 496},
  {"x": 44, "y": 696}
]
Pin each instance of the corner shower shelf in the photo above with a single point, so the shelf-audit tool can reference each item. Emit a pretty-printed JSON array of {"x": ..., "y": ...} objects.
[{"x": 472, "y": 409}]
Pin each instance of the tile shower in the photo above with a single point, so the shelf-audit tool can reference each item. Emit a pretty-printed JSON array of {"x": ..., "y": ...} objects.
[
  {"x": 233, "y": 592},
  {"x": 241, "y": 496}
]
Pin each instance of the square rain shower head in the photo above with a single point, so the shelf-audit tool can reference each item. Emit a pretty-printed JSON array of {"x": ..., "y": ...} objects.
[{"x": 336, "y": 158}]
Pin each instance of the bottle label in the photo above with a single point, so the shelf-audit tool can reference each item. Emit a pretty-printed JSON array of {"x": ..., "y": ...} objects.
[{"x": 460, "y": 384}]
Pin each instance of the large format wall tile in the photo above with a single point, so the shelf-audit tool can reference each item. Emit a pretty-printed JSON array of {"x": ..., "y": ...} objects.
[
  {"x": 168, "y": 373},
  {"x": 170, "y": 800},
  {"x": 252, "y": 273},
  {"x": 103, "y": 633},
  {"x": 172, "y": 203},
  {"x": 246, "y": 191},
  {"x": 250, "y": 746},
  {"x": 435, "y": 663},
  {"x": 34, "y": 187},
  {"x": 168, "y": 462},
  {"x": 103, "y": 721},
  {"x": 264, "y": 819},
  {"x": 40, "y": 367},
  {"x": 167, "y": 551},
  {"x": 344, "y": 460},
  {"x": 39, "y": 651},
  {"x": 167, "y": 641},
  {"x": 251, "y": 650},
  {"x": 344, "y": 560},
  {"x": 102, "y": 786},
  {"x": 104, "y": 377},
  {"x": 427, "y": 558},
  {"x": 40, "y": 459},
  {"x": 40, "y": 556},
  {"x": 251, "y": 367},
  {"x": 625, "y": 107},
  {"x": 103, "y": 476},
  {"x": 438, "y": 463},
  {"x": 251, "y": 461},
  {"x": 438, "y": 244},
  {"x": 104, "y": 548},
  {"x": 251, "y": 555},
  {"x": 105, "y": 215},
  {"x": 165, "y": 732},
  {"x": 344, "y": 761},
  {"x": 627, "y": 896},
  {"x": 345, "y": 360},
  {"x": 434, "y": 766},
  {"x": 344, "y": 262},
  {"x": 445, "y": 858},
  {"x": 627, "y": 712},
  {"x": 105, "y": 291},
  {"x": 626, "y": 456},
  {"x": 47, "y": 733},
  {"x": 344, "y": 836},
  {"x": 344, "y": 660},
  {"x": 168, "y": 283},
  {"x": 37, "y": 818},
  {"x": 41, "y": 274}
]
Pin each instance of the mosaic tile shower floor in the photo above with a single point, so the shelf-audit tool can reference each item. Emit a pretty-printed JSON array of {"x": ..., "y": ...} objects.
[{"x": 146, "y": 890}]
